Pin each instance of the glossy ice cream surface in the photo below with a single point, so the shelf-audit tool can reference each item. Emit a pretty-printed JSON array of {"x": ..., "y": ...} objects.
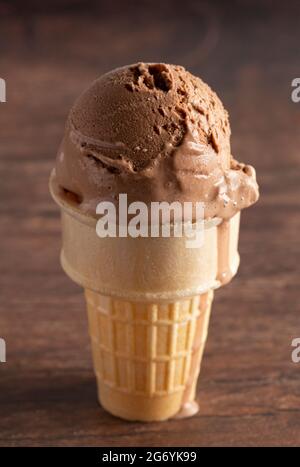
[{"x": 157, "y": 133}]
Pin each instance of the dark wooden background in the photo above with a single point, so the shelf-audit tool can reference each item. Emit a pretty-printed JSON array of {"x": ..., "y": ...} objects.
[{"x": 249, "y": 52}]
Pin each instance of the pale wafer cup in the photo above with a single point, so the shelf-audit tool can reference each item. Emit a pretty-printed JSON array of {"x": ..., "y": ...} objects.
[
  {"x": 144, "y": 269},
  {"x": 147, "y": 356}
]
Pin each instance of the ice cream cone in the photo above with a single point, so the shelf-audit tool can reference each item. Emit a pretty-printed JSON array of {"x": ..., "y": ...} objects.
[
  {"x": 141, "y": 137},
  {"x": 147, "y": 355}
]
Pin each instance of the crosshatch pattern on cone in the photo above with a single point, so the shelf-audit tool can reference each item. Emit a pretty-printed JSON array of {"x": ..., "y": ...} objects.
[{"x": 146, "y": 349}]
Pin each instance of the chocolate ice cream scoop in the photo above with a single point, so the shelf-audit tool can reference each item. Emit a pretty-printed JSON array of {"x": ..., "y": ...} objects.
[{"x": 156, "y": 133}]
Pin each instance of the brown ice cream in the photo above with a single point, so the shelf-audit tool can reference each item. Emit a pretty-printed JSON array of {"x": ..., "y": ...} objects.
[{"x": 157, "y": 133}]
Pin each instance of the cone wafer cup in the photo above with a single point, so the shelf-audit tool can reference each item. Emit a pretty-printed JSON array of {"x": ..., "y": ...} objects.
[{"x": 148, "y": 302}]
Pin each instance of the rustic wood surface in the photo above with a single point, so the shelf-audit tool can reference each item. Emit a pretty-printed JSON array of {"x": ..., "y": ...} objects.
[{"x": 249, "y": 388}]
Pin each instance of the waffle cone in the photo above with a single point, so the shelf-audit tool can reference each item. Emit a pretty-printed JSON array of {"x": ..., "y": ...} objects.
[{"x": 147, "y": 355}]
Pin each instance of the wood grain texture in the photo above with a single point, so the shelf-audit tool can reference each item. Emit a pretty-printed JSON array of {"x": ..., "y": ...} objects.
[{"x": 249, "y": 389}]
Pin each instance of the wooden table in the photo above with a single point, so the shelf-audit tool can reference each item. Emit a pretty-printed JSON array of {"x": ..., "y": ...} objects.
[{"x": 249, "y": 388}]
